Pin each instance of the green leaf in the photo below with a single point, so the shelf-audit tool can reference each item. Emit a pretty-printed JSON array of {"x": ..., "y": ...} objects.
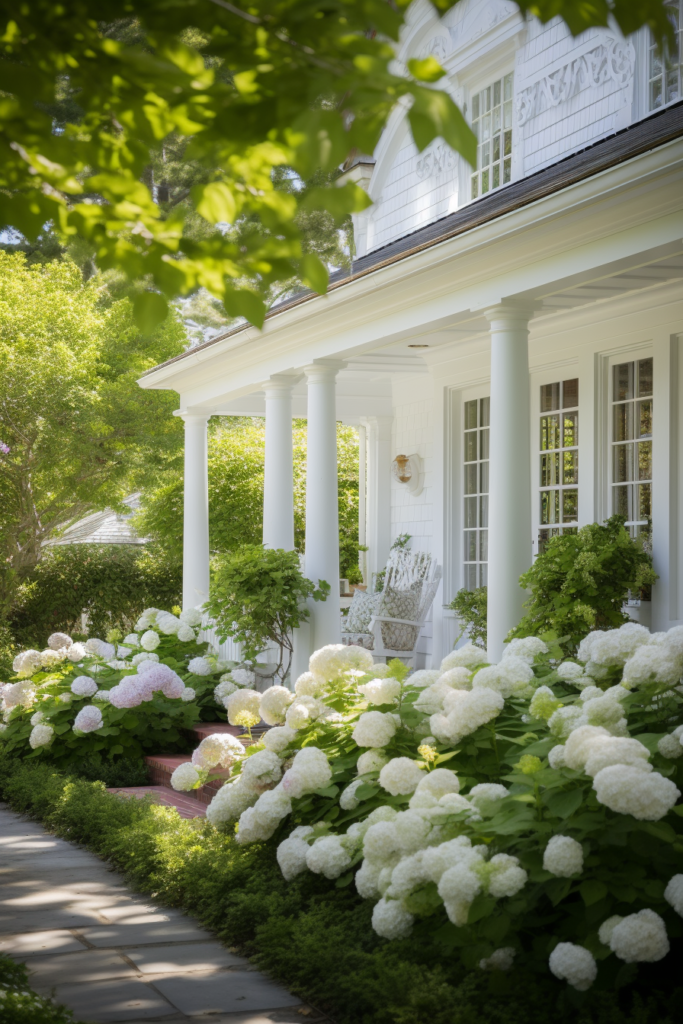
[
  {"x": 215, "y": 202},
  {"x": 592, "y": 891},
  {"x": 242, "y": 302},
  {"x": 482, "y": 906},
  {"x": 427, "y": 70},
  {"x": 563, "y": 805},
  {"x": 314, "y": 273},
  {"x": 345, "y": 880},
  {"x": 366, "y": 791},
  {"x": 149, "y": 309},
  {"x": 339, "y": 201}
]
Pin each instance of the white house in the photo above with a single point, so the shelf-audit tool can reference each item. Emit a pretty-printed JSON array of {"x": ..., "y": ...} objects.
[{"x": 518, "y": 327}]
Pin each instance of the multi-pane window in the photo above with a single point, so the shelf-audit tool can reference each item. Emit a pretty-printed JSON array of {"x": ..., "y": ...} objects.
[
  {"x": 665, "y": 67},
  {"x": 476, "y": 489},
  {"x": 632, "y": 444},
  {"x": 559, "y": 460},
  {"x": 492, "y": 124}
]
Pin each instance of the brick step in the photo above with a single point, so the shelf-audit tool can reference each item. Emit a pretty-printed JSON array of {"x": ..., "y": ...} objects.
[
  {"x": 162, "y": 766},
  {"x": 186, "y": 806}
]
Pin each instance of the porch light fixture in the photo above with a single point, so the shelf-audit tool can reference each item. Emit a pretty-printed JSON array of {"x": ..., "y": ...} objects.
[{"x": 407, "y": 470}]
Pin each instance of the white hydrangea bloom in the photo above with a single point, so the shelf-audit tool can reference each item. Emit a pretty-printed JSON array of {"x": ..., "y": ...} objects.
[
  {"x": 439, "y": 782},
  {"x": 185, "y": 777},
  {"x": 199, "y": 666},
  {"x": 88, "y": 719},
  {"x": 604, "y": 751},
  {"x": 578, "y": 746},
  {"x": 556, "y": 757},
  {"x": 374, "y": 729},
  {"x": 230, "y": 802},
  {"x": 328, "y": 857},
  {"x": 563, "y": 857},
  {"x": 41, "y": 736},
  {"x": 407, "y": 876},
  {"x": 505, "y": 876},
  {"x": 279, "y": 738},
  {"x": 65, "y": 698},
  {"x": 390, "y": 920},
  {"x": 56, "y": 641},
  {"x": 500, "y": 960},
  {"x": 150, "y": 640},
  {"x": 629, "y": 790},
  {"x": 102, "y": 695},
  {"x": 604, "y": 710},
  {"x": 100, "y": 648},
  {"x": 243, "y": 707},
  {"x": 50, "y": 659},
  {"x": 14, "y": 694},
  {"x": 371, "y": 761},
  {"x": 258, "y": 823},
  {"x": 607, "y": 927},
  {"x": 83, "y": 686},
  {"x": 332, "y": 661},
  {"x": 570, "y": 671},
  {"x": 185, "y": 633},
  {"x": 191, "y": 617},
  {"x": 486, "y": 793},
  {"x": 565, "y": 720},
  {"x": 274, "y": 703},
  {"x": 367, "y": 878},
  {"x": 458, "y": 887},
  {"x": 131, "y": 640},
  {"x": 543, "y": 703},
  {"x": 292, "y": 852},
  {"x": 188, "y": 694},
  {"x": 639, "y": 938},
  {"x": 309, "y": 685},
  {"x": 304, "y": 710},
  {"x": 218, "y": 750},
  {"x": 458, "y": 678},
  {"x": 430, "y": 700},
  {"x": 27, "y": 663},
  {"x": 37, "y": 718},
  {"x": 146, "y": 619},
  {"x": 616, "y": 646},
  {"x": 167, "y": 623},
  {"x": 673, "y": 894},
  {"x": 400, "y": 776},
  {"x": 348, "y": 800},
  {"x": 144, "y": 656},
  {"x": 423, "y": 677},
  {"x": 223, "y": 691},
  {"x": 652, "y": 662},
  {"x": 412, "y": 830},
  {"x": 573, "y": 964},
  {"x": 261, "y": 768},
  {"x": 381, "y": 842},
  {"x": 381, "y": 691},
  {"x": 310, "y": 771},
  {"x": 670, "y": 747},
  {"x": 466, "y": 711},
  {"x": 468, "y": 656},
  {"x": 511, "y": 677},
  {"x": 76, "y": 653},
  {"x": 527, "y": 648},
  {"x": 243, "y": 676}
]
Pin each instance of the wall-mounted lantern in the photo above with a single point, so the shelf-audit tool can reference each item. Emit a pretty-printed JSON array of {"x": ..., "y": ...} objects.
[{"x": 407, "y": 470}]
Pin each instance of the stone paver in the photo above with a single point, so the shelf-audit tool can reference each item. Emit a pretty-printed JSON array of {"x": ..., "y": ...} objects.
[{"x": 114, "y": 956}]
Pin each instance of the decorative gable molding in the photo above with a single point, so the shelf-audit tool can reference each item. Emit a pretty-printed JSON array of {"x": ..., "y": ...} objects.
[
  {"x": 613, "y": 59},
  {"x": 438, "y": 158}
]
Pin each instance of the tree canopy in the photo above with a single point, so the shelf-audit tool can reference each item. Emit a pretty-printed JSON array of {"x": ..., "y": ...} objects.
[
  {"x": 94, "y": 91},
  {"x": 76, "y": 431}
]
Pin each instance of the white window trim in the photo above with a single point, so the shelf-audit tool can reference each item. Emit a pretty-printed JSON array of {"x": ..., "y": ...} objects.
[
  {"x": 470, "y": 89},
  {"x": 644, "y": 351}
]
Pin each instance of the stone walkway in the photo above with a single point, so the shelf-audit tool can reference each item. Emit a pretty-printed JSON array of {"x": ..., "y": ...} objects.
[{"x": 112, "y": 955}]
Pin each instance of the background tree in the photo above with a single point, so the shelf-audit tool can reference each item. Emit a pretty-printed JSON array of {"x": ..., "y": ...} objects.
[{"x": 280, "y": 84}]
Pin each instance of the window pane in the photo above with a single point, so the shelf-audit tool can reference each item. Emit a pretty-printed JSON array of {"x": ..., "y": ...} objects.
[
  {"x": 496, "y": 93},
  {"x": 507, "y": 172},
  {"x": 470, "y": 573},
  {"x": 623, "y": 505},
  {"x": 475, "y": 186},
  {"x": 483, "y": 444},
  {"x": 485, "y": 411},
  {"x": 484, "y": 510},
  {"x": 570, "y": 393},
  {"x": 550, "y": 470},
  {"x": 570, "y": 506},
  {"x": 470, "y": 512},
  {"x": 645, "y": 460},
  {"x": 483, "y": 575},
  {"x": 623, "y": 382},
  {"x": 570, "y": 425},
  {"x": 470, "y": 551},
  {"x": 470, "y": 445},
  {"x": 484, "y": 181},
  {"x": 543, "y": 538},
  {"x": 570, "y": 467},
  {"x": 496, "y": 176},
  {"x": 550, "y": 432},
  {"x": 471, "y": 479},
  {"x": 644, "y": 418},
  {"x": 484, "y": 489},
  {"x": 508, "y": 87},
  {"x": 644, "y": 502},
  {"x": 484, "y": 546},
  {"x": 623, "y": 463},
  {"x": 470, "y": 415},
  {"x": 475, "y": 107},
  {"x": 550, "y": 397},
  {"x": 550, "y": 507},
  {"x": 644, "y": 377},
  {"x": 623, "y": 422}
]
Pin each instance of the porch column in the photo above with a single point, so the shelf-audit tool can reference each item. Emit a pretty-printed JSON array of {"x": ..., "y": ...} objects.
[
  {"x": 379, "y": 493},
  {"x": 362, "y": 490},
  {"x": 509, "y": 472},
  {"x": 322, "y": 503},
  {"x": 278, "y": 482},
  {"x": 195, "y": 513}
]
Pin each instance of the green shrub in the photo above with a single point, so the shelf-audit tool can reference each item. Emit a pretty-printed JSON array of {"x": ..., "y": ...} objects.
[
  {"x": 313, "y": 937},
  {"x": 470, "y": 606},
  {"x": 19, "y": 1004},
  {"x": 581, "y": 580},
  {"x": 121, "y": 772}
]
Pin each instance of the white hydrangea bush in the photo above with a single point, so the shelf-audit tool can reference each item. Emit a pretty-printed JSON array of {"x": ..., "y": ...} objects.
[
  {"x": 527, "y": 810},
  {"x": 118, "y": 693}
]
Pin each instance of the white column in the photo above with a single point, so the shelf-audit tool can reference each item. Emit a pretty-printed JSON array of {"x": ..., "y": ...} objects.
[
  {"x": 379, "y": 492},
  {"x": 322, "y": 503},
  {"x": 509, "y": 473},
  {"x": 362, "y": 489},
  {"x": 195, "y": 513},
  {"x": 278, "y": 482}
]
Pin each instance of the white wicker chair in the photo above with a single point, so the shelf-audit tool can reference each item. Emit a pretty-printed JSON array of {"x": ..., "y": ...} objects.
[{"x": 412, "y": 579}]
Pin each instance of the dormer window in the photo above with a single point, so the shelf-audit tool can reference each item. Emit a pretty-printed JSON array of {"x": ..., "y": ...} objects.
[
  {"x": 665, "y": 68},
  {"x": 492, "y": 124}
]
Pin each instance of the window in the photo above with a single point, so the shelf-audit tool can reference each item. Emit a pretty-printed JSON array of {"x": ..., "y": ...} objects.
[
  {"x": 492, "y": 124},
  {"x": 632, "y": 444},
  {"x": 559, "y": 458},
  {"x": 476, "y": 491},
  {"x": 665, "y": 69}
]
